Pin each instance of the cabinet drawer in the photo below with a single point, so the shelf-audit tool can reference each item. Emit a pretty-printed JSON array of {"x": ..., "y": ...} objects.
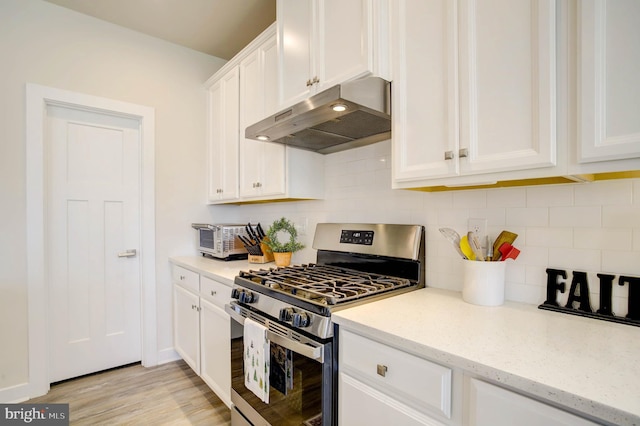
[
  {"x": 490, "y": 405},
  {"x": 214, "y": 291},
  {"x": 186, "y": 278},
  {"x": 397, "y": 373}
]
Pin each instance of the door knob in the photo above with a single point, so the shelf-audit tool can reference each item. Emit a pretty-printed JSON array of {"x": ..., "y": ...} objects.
[{"x": 128, "y": 253}]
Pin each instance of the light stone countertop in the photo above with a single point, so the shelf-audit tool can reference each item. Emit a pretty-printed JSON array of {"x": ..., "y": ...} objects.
[{"x": 587, "y": 365}]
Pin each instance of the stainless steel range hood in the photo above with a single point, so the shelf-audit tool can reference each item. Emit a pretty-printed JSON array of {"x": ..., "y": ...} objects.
[{"x": 314, "y": 124}]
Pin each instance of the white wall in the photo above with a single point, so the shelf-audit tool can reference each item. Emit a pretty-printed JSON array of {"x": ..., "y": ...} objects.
[
  {"x": 592, "y": 227},
  {"x": 52, "y": 46}
]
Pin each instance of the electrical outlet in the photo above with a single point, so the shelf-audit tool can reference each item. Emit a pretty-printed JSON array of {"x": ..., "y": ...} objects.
[
  {"x": 479, "y": 226},
  {"x": 301, "y": 226}
]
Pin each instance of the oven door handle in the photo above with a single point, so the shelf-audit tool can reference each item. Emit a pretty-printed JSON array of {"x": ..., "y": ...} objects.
[{"x": 314, "y": 352}]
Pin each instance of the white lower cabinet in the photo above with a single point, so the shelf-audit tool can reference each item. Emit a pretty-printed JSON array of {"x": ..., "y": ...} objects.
[
  {"x": 216, "y": 349},
  {"x": 380, "y": 385},
  {"x": 202, "y": 333},
  {"x": 490, "y": 405},
  {"x": 186, "y": 326}
]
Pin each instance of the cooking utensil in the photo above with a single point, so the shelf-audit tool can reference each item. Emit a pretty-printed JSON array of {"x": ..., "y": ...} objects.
[
  {"x": 504, "y": 237},
  {"x": 475, "y": 244},
  {"x": 466, "y": 248},
  {"x": 454, "y": 238},
  {"x": 508, "y": 251}
]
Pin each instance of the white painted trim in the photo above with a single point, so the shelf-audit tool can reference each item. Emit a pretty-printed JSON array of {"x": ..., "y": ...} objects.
[{"x": 37, "y": 99}]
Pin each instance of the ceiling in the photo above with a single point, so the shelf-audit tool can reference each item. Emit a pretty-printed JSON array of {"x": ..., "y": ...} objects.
[{"x": 216, "y": 27}]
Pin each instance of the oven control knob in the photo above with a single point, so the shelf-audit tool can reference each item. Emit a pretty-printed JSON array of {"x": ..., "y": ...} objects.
[
  {"x": 235, "y": 294},
  {"x": 245, "y": 296},
  {"x": 300, "y": 319},
  {"x": 286, "y": 314}
]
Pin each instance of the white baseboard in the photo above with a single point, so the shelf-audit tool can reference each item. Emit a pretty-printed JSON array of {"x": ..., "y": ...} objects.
[
  {"x": 15, "y": 394},
  {"x": 168, "y": 355}
]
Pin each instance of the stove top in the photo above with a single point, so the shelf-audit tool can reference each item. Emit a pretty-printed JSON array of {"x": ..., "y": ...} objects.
[
  {"x": 356, "y": 263},
  {"x": 324, "y": 285}
]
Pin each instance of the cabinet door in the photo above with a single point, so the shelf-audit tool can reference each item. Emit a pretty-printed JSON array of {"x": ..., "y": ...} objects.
[
  {"x": 490, "y": 405},
  {"x": 262, "y": 164},
  {"x": 608, "y": 68},
  {"x": 186, "y": 326},
  {"x": 424, "y": 119},
  {"x": 215, "y": 335},
  {"x": 295, "y": 33},
  {"x": 507, "y": 85},
  {"x": 252, "y": 109},
  {"x": 223, "y": 137},
  {"x": 344, "y": 41},
  {"x": 362, "y": 405}
]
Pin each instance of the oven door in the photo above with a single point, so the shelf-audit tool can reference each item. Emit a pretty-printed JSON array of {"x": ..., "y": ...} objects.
[{"x": 301, "y": 390}]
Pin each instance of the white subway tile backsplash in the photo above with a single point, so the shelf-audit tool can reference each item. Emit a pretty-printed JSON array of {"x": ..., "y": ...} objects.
[
  {"x": 621, "y": 262},
  {"x": 621, "y": 216},
  {"x": 550, "y": 195},
  {"x": 610, "y": 192},
  {"x": 507, "y": 197},
  {"x": 577, "y": 217},
  {"x": 470, "y": 199},
  {"x": 599, "y": 238},
  {"x": 533, "y": 256},
  {"x": 575, "y": 259},
  {"x": 527, "y": 216},
  {"x": 591, "y": 227},
  {"x": 549, "y": 237}
]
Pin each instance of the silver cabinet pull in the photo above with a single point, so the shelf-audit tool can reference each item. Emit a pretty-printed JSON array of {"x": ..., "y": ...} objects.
[
  {"x": 382, "y": 370},
  {"x": 128, "y": 253},
  {"x": 464, "y": 152},
  {"x": 448, "y": 155},
  {"x": 213, "y": 293}
]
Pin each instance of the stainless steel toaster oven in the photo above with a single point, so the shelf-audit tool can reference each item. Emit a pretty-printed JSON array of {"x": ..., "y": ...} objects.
[{"x": 221, "y": 241}]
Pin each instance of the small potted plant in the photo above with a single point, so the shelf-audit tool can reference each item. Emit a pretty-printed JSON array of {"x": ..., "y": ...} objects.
[{"x": 282, "y": 241}]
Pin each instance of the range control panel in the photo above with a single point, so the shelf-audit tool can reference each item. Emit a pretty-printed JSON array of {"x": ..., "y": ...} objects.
[{"x": 357, "y": 237}]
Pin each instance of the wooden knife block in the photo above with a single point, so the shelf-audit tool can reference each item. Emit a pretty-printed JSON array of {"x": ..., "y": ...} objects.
[{"x": 265, "y": 258}]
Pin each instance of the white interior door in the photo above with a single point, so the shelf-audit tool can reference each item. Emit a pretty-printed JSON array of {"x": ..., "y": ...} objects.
[{"x": 93, "y": 228}]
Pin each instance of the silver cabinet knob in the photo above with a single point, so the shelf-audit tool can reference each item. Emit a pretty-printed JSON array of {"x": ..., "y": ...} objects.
[
  {"x": 464, "y": 152},
  {"x": 448, "y": 155},
  {"x": 382, "y": 370}
]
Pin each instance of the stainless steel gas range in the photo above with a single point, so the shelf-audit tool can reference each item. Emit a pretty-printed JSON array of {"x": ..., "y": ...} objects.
[{"x": 356, "y": 263}]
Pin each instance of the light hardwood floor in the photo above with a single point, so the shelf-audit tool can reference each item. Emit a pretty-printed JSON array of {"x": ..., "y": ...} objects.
[{"x": 169, "y": 394}]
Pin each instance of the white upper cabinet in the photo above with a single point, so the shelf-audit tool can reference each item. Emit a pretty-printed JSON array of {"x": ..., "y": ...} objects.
[
  {"x": 474, "y": 89},
  {"x": 262, "y": 164},
  {"x": 609, "y": 88},
  {"x": 223, "y": 137},
  {"x": 507, "y": 84},
  {"x": 322, "y": 43},
  {"x": 424, "y": 89}
]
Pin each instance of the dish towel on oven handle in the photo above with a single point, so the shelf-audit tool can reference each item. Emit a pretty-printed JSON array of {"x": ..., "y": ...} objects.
[{"x": 256, "y": 359}]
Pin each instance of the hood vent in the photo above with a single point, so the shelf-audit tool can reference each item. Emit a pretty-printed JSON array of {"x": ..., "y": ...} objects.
[{"x": 319, "y": 124}]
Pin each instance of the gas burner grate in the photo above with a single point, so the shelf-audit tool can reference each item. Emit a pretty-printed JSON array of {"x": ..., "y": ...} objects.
[{"x": 327, "y": 285}]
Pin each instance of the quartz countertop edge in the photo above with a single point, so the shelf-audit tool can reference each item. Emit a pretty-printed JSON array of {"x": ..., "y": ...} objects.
[
  {"x": 220, "y": 270},
  {"x": 583, "y": 365}
]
